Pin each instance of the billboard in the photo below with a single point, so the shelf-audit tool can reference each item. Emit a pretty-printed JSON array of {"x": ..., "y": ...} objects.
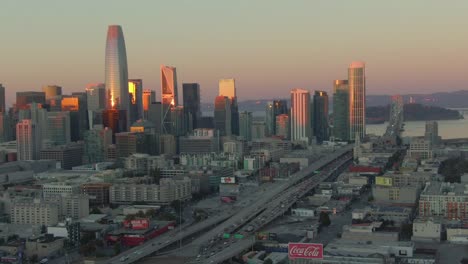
[
  {"x": 305, "y": 251},
  {"x": 137, "y": 224},
  {"x": 228, "y": 179},
  {"x": 384, "y": 181}
]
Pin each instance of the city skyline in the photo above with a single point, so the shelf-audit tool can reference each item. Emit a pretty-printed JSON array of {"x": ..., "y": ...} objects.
[{"x": 311, "y": 57}]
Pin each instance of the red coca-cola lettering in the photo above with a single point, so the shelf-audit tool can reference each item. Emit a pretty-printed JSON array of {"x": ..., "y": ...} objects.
[{"x": 305, "y": 250}]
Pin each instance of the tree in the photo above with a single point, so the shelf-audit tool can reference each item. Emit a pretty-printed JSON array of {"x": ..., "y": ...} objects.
[
  {"x": 176, "y": 205},
  {"x": 130, "y": 217},
  {"x": 370, "y": 198},
  {"x": 34, "y": 258},
  {"x": 155, "y": 174},
  {"x": 140, "y": 214},
  {"x": 324, "y": 219},
  {"x": 117, "y": 248},
  {"x": 95, "y": 210},
  {"x": 406, "y": 231},
  {"x": 150, "y": 213},
  {"x": 268, "y": 261}
]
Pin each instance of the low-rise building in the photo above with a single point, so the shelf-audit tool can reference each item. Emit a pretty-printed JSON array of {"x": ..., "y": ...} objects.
[
  {"x": 98, "y": 193},
  {"x": 69, "y": 156},
  {"x": 420, "y": 148},
  {"x": 167, "y": 191},
  {"x": 457, "y": 235},
  {"x": 427, "y": 230},
  {"x": 303, "y": 212},
  {"x": 406, "y": 195},
  {"x": 367, "y": 232},
  {"x": 34, "y": 212},
  {"x": 44, "y": 246}
]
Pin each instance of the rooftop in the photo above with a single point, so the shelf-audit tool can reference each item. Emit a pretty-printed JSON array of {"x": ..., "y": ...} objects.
[{"x": 445, "y": 188}]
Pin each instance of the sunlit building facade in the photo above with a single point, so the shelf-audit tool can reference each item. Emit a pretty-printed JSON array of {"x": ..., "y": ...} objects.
[
  {"x": 116, "y": 70},
  {"x": 282, "y": 126},
  {"x": 300, "y": 116},
  {"x": 52, "y": 91},
  {"x": 149, "y": 96},
  {"x": 357, "y": 100},
  {"x": 168, "y": 95},
  {"x": 227, "y": 88},
  {"x": 135, "y": 91}
]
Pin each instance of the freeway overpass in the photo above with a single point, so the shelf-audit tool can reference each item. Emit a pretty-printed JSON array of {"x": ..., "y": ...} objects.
[
  {"x": 219, "y": 249},
  {"x": 226, "y": 220}
]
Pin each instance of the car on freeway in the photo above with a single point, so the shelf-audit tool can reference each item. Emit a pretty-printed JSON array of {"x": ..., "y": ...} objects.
[{"x": 124, "y": 258}]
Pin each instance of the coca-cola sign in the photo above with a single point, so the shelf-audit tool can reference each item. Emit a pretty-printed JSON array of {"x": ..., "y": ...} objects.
[{"x": 305, "y": 251}]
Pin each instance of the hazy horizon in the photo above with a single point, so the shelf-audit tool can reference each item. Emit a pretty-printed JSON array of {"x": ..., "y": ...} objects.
[{"x": 267, "y": 46}]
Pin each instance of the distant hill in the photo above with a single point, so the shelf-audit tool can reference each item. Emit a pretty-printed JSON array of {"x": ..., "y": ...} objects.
[
  {"x": 458, "y": 99},
  {"x": 414, "y": 112}
]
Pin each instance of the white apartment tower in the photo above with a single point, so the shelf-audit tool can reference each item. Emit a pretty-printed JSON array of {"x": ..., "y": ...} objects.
[
  {"x": 300, "y": 116},
  {"x": 28, "y": 140}
]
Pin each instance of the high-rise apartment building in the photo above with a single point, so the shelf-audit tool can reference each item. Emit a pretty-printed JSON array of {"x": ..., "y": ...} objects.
[
  {"x": 149, "y": 97},
  {"x": 245, "y": 125},
  {"x": 431, "y": 133},
  {"x": 52, "y": 91},
  {"x": 135, "y": 90},
  {"x": 28, "y": 140},
  {"x": 117, "y": 73},
  {"x": 227, "y": 88},
  {"x": 192, "y": 110},
  {"x": 320, "y": 116},
  {"x": 341, "y": 110},
  {"x": 2, "y": 98},
  {"x": 58, "y": 128},
  {"x": 357, "y": 99},
  {"x": 222, "y": 115},
  {"x": 300, "y": 116}
]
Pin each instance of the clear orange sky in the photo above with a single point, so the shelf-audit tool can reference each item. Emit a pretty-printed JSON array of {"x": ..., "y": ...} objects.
[{"x": 269, "y": 46}]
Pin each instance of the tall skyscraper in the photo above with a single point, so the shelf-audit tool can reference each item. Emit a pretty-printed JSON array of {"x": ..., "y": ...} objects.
[
  {"x": 320, "y": 116},
  {"x": 357, "y": 100},
  {"x": 300, "y": 116},
  {"x": 280, "y": 107},
  {"x": 192, "y": 110},
  {"x": 135, "y": 90},
  {"x": 24, "y": 99},
  {"x": 283, "y": 126},
  {"x": 52, "y": 91},
  {"x": 245, "y": 125},
  {"x": 270, "y": 119},
  {"x": 222, "y": 115},
  {"x": 117, "y": 97},
  {"x": 341, "y": 110},
  {"x": 149, "y": 97},
  {"x": 2, "y": 98},
  {"x": 28, "y": 140},
  {"x": 168, "y": 94},
  {"x": 58, "y": 128},
  {"x": 227, "y": 88},
  {"x": 96, "y": 96}
]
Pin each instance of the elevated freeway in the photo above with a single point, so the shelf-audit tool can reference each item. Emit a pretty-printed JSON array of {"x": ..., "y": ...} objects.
[
  {"x": 232, "y": 220},
  {"x": 220, "y": 249}
]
